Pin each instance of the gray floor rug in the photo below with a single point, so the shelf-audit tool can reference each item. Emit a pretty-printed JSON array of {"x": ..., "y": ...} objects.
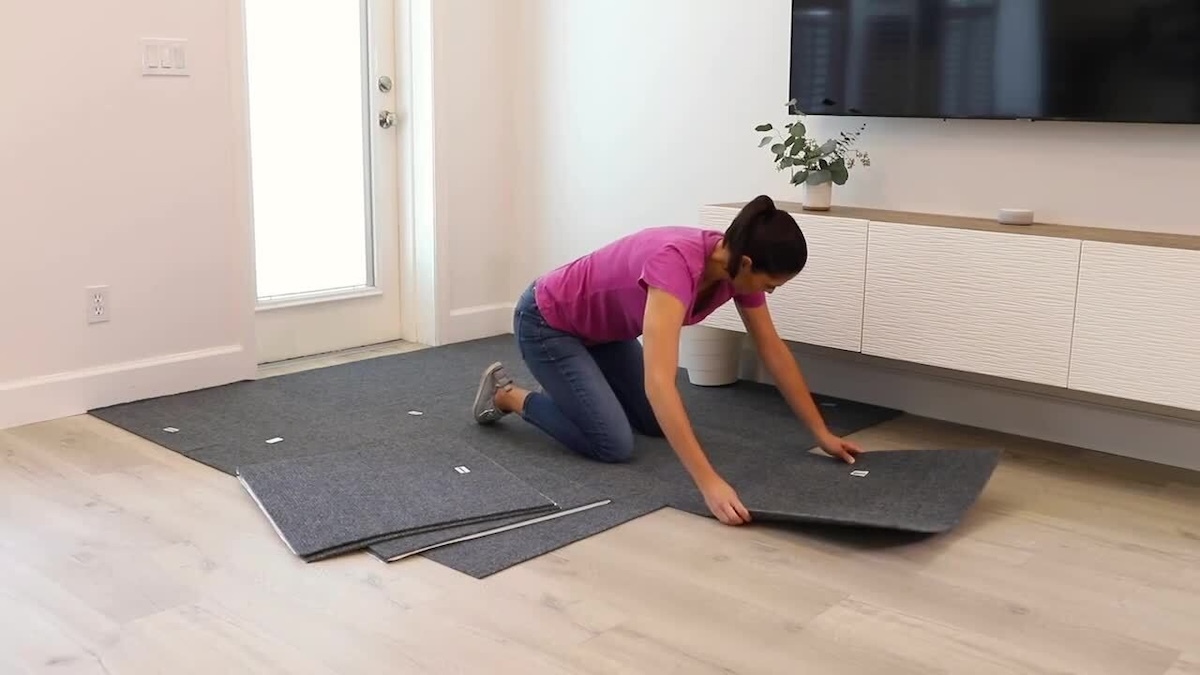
[
  {"x": 410, "y": 545},
  {"x": 481, "y": 558},
  {"x": 569, "y": 496},
  {"x": 918, "y": 491},
  {"x": 352, "y": 406},
  {"x": 325, "y": 505}
]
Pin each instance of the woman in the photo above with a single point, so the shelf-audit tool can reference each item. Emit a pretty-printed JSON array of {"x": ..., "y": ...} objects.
[{"x": 578, "y": 328}]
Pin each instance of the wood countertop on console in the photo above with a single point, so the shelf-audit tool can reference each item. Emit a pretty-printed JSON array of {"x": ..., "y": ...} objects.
[{"x": 1100, "y": 234}]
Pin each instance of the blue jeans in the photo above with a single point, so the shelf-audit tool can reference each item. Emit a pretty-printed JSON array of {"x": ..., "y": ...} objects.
[{"x": 594, "y": 396}]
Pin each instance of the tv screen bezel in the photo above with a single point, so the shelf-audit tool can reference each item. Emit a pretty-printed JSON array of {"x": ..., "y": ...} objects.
[{"x": 791, "y": 95}]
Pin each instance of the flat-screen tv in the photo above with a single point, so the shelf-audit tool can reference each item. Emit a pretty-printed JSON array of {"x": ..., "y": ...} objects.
[{"x": 1078, "y": 60}]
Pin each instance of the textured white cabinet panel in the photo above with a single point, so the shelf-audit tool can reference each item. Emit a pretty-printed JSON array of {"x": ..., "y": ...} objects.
[
  {"x": 982, "y": 302},
  {"x": 717, "y": 217},
  {"x": 823, "y": 305},
  {"x": 1137, "y": 325}
]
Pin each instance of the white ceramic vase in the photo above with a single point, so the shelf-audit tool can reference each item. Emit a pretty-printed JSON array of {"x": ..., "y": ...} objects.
[
  {"x": 818, "y": 197},
  {"x": 711, "y": 356}
]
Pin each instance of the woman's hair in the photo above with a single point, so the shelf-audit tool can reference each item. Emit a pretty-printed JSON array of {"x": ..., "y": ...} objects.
[{"x": 769, "y": 236}]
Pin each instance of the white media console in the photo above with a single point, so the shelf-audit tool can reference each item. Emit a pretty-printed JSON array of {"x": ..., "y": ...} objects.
[{"x": 1088, "y": 311}]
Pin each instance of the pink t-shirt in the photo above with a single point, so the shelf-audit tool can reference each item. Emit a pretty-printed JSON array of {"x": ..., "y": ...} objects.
[{"x": 601, "y": 297}]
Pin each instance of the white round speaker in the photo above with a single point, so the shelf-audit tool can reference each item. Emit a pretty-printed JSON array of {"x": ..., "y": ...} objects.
[{"x": 1016, "y": 217}]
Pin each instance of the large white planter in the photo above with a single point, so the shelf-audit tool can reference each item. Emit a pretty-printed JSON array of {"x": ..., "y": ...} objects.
[{"x": 711, "y": 356}]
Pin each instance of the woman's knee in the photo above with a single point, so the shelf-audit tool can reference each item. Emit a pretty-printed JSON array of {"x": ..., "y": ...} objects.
[{"x": 613, "y": 445}]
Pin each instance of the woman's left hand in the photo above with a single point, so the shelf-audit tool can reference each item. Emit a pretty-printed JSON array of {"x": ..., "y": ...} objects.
[{"x": 839, "y": 447}]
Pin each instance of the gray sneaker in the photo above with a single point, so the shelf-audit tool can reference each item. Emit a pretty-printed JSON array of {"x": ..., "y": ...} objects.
[{"x": 495, "y": 378}]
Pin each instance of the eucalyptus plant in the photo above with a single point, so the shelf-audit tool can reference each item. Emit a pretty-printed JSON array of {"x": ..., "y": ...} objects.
[{"x": 810, "y": 162}]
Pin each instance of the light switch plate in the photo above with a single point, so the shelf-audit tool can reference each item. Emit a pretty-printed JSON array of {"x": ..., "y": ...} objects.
[{"x": 162, "y": 56}]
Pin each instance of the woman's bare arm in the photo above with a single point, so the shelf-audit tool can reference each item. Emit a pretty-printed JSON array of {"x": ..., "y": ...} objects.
[
  {"x": 663, "y": 324},
  {"x": 788, "y": 377},
  {"x": 662, "y": 327}
]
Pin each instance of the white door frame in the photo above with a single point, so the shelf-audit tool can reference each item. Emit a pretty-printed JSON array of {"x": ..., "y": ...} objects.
[{"x": 421, "y": 242}]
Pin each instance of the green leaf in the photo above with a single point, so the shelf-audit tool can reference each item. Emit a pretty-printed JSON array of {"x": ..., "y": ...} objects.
[
  {"x": 798, "y": 129},
  {"x": 819, "y": 177},
  {"x": 796, "y": 148},
  {"x": 786, "y": 162},
  {"x": 778, "y": 148},
  {"x": 799, "y": 178},
  {"x": 764, "y": 127},
  {"x": 829, "y": 147},
  {"x": 839, "y": 172},
  {"x": 823, "y": 164},
  {"x": 765, "y": 140}
]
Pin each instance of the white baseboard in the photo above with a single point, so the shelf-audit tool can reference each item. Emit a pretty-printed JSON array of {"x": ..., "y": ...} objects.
[
  {"x": 1110, "y": 429},
  {"x": 473, "y": 323},
  {"x": 39, "y": 399}
]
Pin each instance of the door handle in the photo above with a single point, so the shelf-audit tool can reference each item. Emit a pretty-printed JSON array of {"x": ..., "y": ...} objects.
[{"x": 387, "y": 119}]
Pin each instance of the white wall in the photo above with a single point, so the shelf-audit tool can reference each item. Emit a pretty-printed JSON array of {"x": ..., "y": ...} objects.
[
  {"x": 646, "y": 110},
  {"x": 474, "y": 88},
  {"x": 638, "y": 112},
  {"x": 107, "y": 177}
]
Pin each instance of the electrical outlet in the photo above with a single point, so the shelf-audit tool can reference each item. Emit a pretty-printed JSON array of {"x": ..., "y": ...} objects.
[{"x": 97, "y": 304}]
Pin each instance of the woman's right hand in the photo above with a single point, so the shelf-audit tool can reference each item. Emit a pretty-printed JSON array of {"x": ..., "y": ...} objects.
[{"x": 723, "y": 501}]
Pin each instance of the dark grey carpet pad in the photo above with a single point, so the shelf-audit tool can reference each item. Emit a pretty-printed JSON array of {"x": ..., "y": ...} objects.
[
  {"x": 323, "y": 505},
  {"x": 354, "y": 405},
  {"x": 919, "y": 491},
  {"x": 409, "y": 545},
  {"x": 481, "y": 558},
  {"x": 347, "y": 405},
  {"x": 509, "y": 547},
  {"x": 564, "y": 492}
]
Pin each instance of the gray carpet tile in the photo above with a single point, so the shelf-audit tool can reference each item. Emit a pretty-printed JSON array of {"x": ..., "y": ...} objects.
[
  {"x": 484, "y": 557},
  {"x": 326, "y": 504},
  {"x": 919, "y": 491},
  {"x": 428, "y": 541},
  {"x": 567, "y": 494},
  {"x": 358, "y": 404}
]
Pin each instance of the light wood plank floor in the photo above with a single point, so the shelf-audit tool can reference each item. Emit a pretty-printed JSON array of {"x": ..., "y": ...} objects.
[{"x": 119, "y": 557}]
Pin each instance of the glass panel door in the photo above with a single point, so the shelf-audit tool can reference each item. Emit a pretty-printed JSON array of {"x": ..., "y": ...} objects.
[{"x": 323, "y": 153}]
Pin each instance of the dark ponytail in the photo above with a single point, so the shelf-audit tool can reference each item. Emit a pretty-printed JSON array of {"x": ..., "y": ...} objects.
[{"x": 769, "y": 237}]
